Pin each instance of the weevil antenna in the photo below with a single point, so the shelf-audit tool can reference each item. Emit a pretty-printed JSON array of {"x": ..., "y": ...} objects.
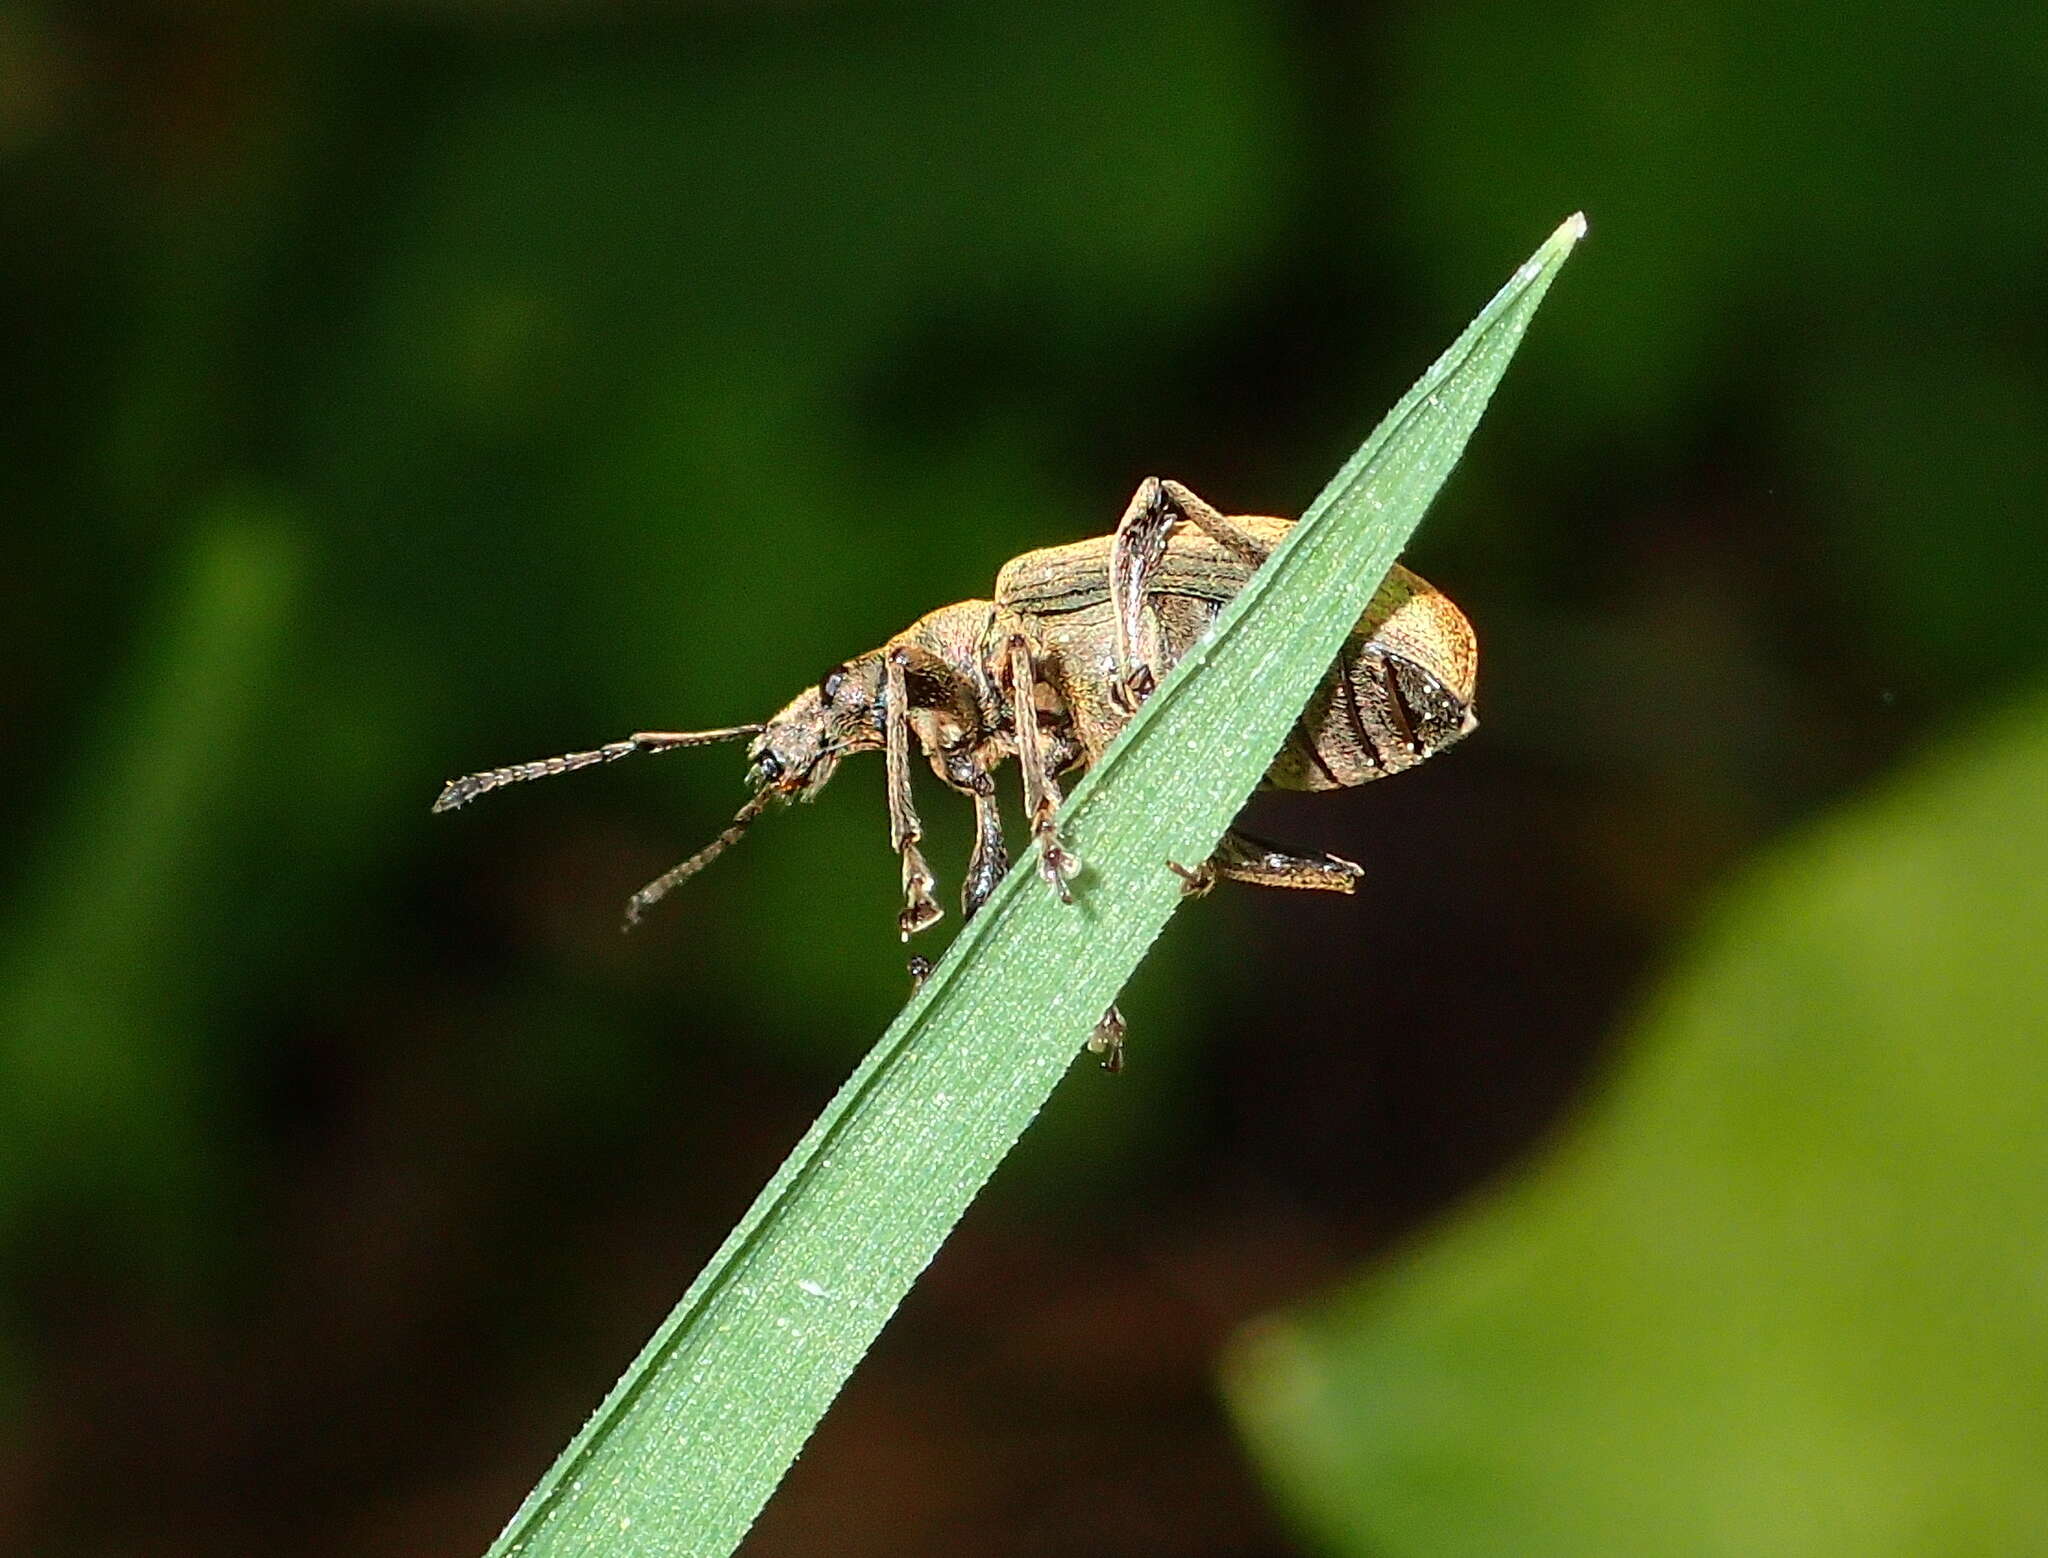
[
  {"x": 460, "y": 792},
  {"x": 668, "y": 881}
]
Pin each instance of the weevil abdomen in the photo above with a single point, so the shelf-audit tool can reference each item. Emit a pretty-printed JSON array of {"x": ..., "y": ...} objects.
[{"x": 1400, "y": 691}]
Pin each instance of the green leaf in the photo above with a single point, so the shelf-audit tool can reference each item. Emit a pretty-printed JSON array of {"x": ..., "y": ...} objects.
[
  {"x": 687, "y": 1448},
  {"x": 1783, "y": 1291}
]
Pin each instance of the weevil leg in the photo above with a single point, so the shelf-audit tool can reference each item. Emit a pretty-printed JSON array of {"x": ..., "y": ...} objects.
[
  {"x": 1108, "y": 1040},
  {"x": 990, "y": 862},
  {"x": 1041, "y": 787},
  {"x": 1135, "y": 553},
  {"x": 1137, "y": 549},
  {"x": 920, "y": 909},
  {"x": 986, "y": 866},
  {"x": 1242, "y": 858},
  {"x": 1219, "y": 527}
]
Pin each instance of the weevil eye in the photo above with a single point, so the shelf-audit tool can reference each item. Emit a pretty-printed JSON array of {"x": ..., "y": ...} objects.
[
  {"x": 828, "y": 688},
  {"x": 769, "y": 766}
]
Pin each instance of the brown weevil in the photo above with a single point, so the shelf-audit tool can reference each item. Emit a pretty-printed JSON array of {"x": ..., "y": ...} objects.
[{"x": 1048, "y": 672}]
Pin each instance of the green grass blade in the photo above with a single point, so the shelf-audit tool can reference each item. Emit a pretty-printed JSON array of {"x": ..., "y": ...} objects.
[{"x": 681, "y": 1456}]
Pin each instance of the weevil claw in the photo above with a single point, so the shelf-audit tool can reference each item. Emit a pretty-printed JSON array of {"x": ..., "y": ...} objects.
[
  {"x": 1058, "y": 867},
  {"x": 920, "y": 910},
  {"x": 920, "y": 914}
]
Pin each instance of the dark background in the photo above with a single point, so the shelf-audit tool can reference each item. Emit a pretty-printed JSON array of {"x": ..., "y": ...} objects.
[{"x": 398, "y": 389}]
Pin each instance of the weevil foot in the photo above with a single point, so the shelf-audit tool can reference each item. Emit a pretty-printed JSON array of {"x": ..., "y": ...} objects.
[
  {"x": 918, "y": 915},
  {"x": 1129, "y": 693},
  {"x": 920, "y": 971},
  {"x": 1058, "y": 867},
  {"x": 1108, "y": 1041},
  {"x": 920, "y": 909},
  {"x": 1057, "y": 864},
  {"x": 1196, "y": 883}
]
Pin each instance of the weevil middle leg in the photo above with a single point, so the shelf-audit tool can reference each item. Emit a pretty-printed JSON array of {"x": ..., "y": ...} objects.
[
  {"x": 986, "y": 866},
  {"x": 990, "y": 861},
  {"x": 1041, "y": 785},
  {"x": 1036, "y": 757}
]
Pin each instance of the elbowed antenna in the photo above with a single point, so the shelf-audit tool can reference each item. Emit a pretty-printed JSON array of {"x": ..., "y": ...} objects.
[
  {"x": 661, "y": 886},
  {"x": 460, "y": 792}
]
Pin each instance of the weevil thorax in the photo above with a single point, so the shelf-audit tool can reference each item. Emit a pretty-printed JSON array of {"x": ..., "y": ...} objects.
[{"x": 800, "y": 748}]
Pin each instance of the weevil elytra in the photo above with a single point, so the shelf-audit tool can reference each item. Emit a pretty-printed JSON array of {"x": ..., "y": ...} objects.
[{"x": 1048, "y": 672}]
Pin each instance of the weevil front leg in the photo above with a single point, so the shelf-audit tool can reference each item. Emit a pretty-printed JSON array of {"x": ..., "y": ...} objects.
[
  {"x": 920, "y": 909},
  {"x": 1241, "y": 858},
  {"x": 1041, "y": 787}
]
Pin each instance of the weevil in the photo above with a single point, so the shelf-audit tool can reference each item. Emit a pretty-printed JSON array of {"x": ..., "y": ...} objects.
[{"x": 1047, "y": 672}]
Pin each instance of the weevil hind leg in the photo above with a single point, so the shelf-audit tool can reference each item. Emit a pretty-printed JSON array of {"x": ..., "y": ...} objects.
[
  {"x": 920, "y": 909},
  {"x": 1135, "y": 553},
  {"x": 1218, "y": 526},
  {"x": 1241, "y": 858}
]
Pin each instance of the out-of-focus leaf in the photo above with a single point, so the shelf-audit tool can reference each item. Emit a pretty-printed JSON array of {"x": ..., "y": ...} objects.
[
  {"x": 118, "y": 927},
  {"x": 1786, "y": 1291}
]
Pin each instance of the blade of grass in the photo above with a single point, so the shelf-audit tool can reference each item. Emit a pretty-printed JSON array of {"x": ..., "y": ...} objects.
[{"x": 684, "y": 1452}]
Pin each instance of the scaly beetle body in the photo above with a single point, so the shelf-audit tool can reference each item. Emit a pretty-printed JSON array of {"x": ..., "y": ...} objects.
[{"x": 1049, "y": 671}]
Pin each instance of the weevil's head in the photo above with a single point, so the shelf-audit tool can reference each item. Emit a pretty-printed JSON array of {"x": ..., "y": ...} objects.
[{"x": 801, "y": 747}]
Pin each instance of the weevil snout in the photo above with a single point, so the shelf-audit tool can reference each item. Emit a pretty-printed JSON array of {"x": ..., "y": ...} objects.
[
  {"x": 800, "y": 748},
  {"x": 793, "y": 756}
]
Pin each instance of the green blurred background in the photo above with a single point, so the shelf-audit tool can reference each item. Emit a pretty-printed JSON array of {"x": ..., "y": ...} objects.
[{"x": 1651, "y": 1160}]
